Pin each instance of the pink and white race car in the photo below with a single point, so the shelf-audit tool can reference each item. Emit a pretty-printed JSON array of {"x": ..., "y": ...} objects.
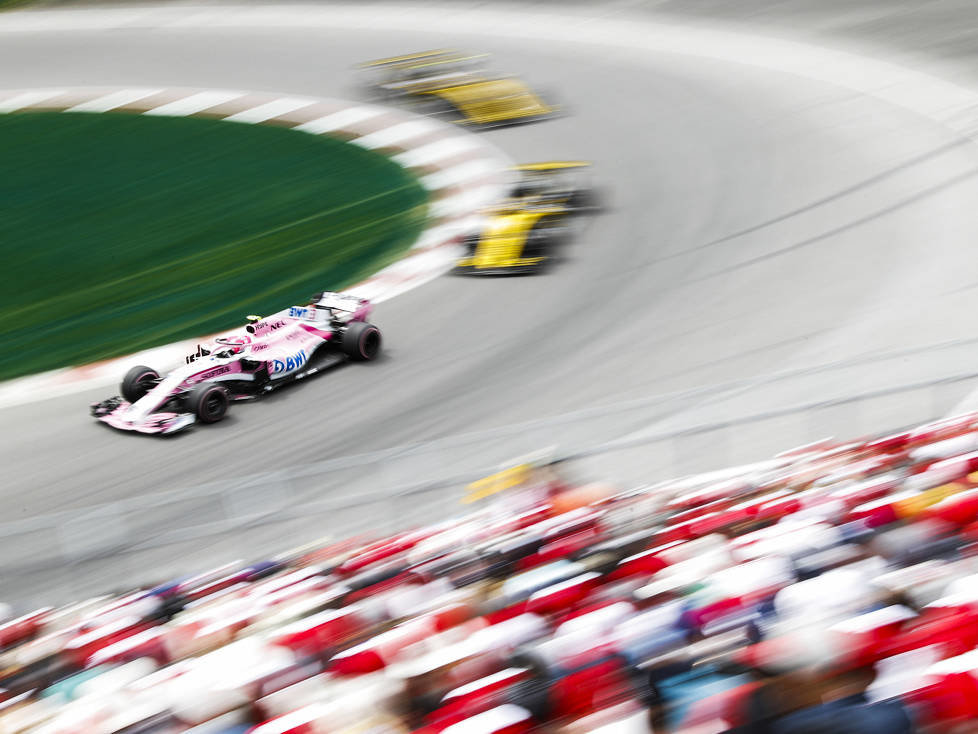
[{"x": 265, "y": 354}]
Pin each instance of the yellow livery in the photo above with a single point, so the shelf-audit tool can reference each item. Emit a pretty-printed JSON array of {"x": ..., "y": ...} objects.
[
  {"x": 449, "y": 82},
  {"x": 523, "y": 233}
]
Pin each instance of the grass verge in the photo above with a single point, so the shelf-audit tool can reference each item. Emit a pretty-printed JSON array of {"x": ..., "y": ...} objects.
[{"x": 122, "y": 232}]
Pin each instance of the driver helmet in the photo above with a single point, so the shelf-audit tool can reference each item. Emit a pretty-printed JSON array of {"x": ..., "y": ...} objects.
[{"x": 234, "y": 345}]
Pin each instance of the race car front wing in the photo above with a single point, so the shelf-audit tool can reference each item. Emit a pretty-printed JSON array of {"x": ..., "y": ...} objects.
[{"x": 114, "y": 412}]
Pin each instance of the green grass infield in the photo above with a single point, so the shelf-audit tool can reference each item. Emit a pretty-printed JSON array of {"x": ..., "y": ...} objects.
[{"x": 123, "y": 232}]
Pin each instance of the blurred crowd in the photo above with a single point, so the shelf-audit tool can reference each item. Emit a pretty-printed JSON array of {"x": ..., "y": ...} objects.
[{"x": 833, "y": 588}]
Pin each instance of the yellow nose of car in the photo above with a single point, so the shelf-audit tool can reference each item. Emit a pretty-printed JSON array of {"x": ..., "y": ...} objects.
[
  {"x": 446, "y": 81},
  {"x": 513, "y": 243},
  {"x": 522, "y": 233},
  {"x": 494, "y": 101}
]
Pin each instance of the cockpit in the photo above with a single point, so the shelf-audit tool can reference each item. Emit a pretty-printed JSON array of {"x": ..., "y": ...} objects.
[{"x": 231, "y": 346}]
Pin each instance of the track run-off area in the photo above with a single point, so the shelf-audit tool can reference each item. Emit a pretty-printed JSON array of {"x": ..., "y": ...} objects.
[{"x": 788, "y": 226}]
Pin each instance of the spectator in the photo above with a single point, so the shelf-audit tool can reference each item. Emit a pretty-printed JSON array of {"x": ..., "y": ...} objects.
[
  {"x": 424, "y": 695},
  {"x": 532, "y": 693},
  {"x": 846, "y": 709},
  {"x": 777, "y": 695}
]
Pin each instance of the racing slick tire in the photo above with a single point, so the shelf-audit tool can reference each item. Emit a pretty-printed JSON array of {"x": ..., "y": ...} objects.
[
  {"x": 208, "y": 401},
  {"x": 361, "y": 341},
  {"x": 138, "y": 381}
]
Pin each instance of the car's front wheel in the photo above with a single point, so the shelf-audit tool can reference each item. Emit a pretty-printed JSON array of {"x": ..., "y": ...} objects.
[
  {"x": 138, "y": 381},
  {"x": 208, "y": 401}
]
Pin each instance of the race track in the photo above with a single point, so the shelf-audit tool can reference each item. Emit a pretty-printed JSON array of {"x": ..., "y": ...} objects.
[{"x": 760, "y": 224}]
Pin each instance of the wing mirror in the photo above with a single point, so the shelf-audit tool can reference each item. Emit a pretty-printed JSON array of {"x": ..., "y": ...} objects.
[{"x": 201, "y": 352}]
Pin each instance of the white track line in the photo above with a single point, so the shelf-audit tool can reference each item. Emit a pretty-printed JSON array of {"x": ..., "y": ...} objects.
[
  {"x": 193, "y": 104},
  {"x": 340, "y": 120},
  {"x": 269, "y": 110},
  {"x": 26, "y": 99},
  {"x": 113, "y": 100}
]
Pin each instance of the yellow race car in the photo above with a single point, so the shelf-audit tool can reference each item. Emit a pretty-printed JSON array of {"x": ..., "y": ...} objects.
[
  {"x": 523, "y": 232},
  {"x": 458, "y": 85}
]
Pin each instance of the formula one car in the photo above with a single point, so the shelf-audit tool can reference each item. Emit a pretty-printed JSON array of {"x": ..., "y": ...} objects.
[
  {"x": 523, "y": 232},
  {"x": 457, "y": 85},
  {"x": 266, "y": 354}
]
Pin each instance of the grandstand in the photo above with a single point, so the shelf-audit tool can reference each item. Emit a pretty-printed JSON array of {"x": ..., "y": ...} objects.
[{"x": 737, "y": 600}]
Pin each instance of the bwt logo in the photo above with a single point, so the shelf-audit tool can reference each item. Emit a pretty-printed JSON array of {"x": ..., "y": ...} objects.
[{"x": 290, "y": 364}]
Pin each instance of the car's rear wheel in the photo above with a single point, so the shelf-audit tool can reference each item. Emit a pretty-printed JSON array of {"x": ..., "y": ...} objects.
[
  {"x": 208, "y": 401},
  {"x": 361, "y": 341},
  {"x": 138, "y": 381}
]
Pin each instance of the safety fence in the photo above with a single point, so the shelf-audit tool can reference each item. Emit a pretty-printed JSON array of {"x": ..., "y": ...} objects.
[{"x": 65, "y": 555}]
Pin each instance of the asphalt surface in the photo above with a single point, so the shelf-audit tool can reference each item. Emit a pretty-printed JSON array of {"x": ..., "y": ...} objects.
[{"x": 759, "y": 225}]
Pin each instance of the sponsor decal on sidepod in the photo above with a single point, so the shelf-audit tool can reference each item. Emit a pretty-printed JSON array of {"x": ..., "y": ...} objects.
[{"x": 280, "y": 366}]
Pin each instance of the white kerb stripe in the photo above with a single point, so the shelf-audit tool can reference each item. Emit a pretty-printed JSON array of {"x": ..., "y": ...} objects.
[
  {"x": 466, "y": 201},
  {"x": 340, "y": 119},
  {"x": 26, "y": 99},
  {"x": 417, "y": 264},
  {"x": 442, "y": 233},
  {"x": 438, "y": 151},
  {"x": 194, "y": 103},
  {"x": 458, "y": 174},
  {"x": 113, "y": 100},
  {"x": 398, "y": 133},
  {"x": 267, "y": 111}
]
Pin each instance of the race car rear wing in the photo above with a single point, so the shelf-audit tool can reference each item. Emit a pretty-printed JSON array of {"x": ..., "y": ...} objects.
[{"x": 341, "y": 302}]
